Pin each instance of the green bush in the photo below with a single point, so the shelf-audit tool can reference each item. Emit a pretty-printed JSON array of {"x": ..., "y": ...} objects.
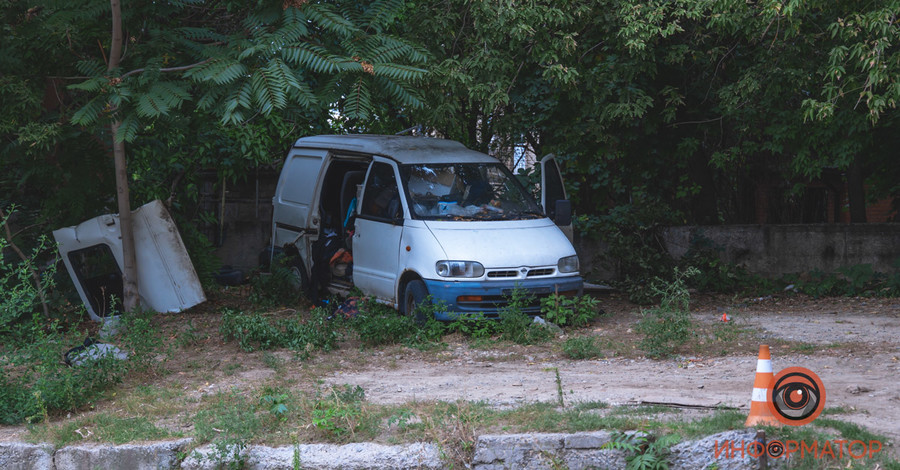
[
  {"x": 668, "y": 325},
  {"x": 276, "y": 288},
  {"x": 473, "y": 325},
  {"x": 518, "y": 327},
  {"x": 856, "y": 280},
  {"x": 36, "y": 383},
  {"x": 633, "y": 233},
  {"x": 378, "y": 324},
  {"x": 569, "y": 311},
  {"x": 20, "y": 293},
  {"x": 253, "y": 331}
]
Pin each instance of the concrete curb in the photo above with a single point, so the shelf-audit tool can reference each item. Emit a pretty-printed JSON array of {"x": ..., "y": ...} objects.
[
  {"x": 358, "y": 456},
  {"x": 544, "y": 451},
  {"x": 492, "y": 452},
  {"x": 21, "y": 456},
  {"x": 151, "y": 456}
]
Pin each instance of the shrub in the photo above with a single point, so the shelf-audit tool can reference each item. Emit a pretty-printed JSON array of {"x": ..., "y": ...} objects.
[
  {"x": 378, "y": 324},
  {"x": 569, "y": 311},
  {"x": 473, "y": 325},
  {"x": 668, "y": 325},
  {"x": 278, "y": 287},
  {"x": 37, "y": 383},
  {"x": 253, "y": 331},
  {"x": 22, "y": 291},
  {"x": 518, "y": 327}
]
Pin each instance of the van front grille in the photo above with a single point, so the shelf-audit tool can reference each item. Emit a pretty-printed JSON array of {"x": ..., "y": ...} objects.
[
  {"x": 495, "y": 274},
  {"x": 540, "y": 272}
]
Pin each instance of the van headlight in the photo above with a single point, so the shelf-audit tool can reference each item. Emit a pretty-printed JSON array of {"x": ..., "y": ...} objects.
[
  {"x": 459, "y": 269},
  {"x": 569, "y": 264}
]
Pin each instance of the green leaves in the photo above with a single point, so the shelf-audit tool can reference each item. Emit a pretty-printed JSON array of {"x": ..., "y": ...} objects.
[
  {"x": 160, "y": 99},
  {"x": 275, "y": 60}
]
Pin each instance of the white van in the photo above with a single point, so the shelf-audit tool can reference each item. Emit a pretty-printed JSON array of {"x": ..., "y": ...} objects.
[{"x": 402, "y": 218}]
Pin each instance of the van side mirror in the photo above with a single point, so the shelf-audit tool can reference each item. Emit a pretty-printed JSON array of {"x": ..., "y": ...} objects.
[{"x": 563, "y": 214}]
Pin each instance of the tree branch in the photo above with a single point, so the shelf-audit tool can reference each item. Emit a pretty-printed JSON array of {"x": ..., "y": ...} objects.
[
  {"x": 676, "y": 124},
  {"x": 169, "y": 69},
  {"x": 34, "y": 274}
]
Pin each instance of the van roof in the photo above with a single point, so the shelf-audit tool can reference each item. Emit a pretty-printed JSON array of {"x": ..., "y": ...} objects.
[{"x": 403, "y": 149}]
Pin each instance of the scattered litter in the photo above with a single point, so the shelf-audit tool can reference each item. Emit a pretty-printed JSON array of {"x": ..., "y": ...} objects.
[
  {"x": 91, "y": 350},
  {"x": 551, "y": 326},
  {"x": 349, "y": 308}
]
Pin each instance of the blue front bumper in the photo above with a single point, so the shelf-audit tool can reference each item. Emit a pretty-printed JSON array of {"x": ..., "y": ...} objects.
[{"x": 489, "y": 297}]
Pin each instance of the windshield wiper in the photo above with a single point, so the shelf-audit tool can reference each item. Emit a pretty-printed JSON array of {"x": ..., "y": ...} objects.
[{"x": 536, "y": 214}]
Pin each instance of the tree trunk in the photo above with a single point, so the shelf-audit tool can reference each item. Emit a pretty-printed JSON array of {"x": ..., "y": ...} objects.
[
  {"x": 130, "y": 293},
  {"x": 856, "y": 193}
]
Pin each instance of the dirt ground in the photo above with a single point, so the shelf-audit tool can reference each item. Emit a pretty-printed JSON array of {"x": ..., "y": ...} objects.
[{"x": 853, "y": 344}]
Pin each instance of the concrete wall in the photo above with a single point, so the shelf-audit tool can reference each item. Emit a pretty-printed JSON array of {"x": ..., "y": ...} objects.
[
  {"x": 247, "y": 219},
  {"x": 772, "y": 250}
]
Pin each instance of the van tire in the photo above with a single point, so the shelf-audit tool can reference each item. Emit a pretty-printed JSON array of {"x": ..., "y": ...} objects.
[
  {"x": 414, "y": 295},
  {"x": 300, "y": 278}
]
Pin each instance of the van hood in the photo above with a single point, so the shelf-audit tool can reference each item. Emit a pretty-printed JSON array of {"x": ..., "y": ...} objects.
[{"x": 502, "y": 244}]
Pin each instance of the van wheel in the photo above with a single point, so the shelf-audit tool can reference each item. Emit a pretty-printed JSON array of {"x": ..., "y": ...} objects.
[
  {"x": 415, "y": 295},
  {"x": 299, "y": 279}
]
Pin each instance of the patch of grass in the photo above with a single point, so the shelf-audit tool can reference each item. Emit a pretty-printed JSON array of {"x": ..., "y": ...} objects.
[
  {"x": 226, "y": 417},
  {"x": 590, "y": 405},
  {"x": 643, "y": 410},
  {"x": 836, "y": 410},
  {"x": 727, "y": 332},
  {"x": 99, "y": 427},
  {"x": 339, "y": 414},
  {"x": 719, "y": 421},
  {"x": 582, "y": 347},
  {"x": 231, "y": 368},
  {"x": 850, "y": 431},
  {"x": 36, "y": 384},
  {"x": 273, "y": 362},
  {"x": 147, "y": 400},
  {"x": 803, "y": 348}
]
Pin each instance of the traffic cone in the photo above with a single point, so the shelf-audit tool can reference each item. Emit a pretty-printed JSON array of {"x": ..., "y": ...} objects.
[{"x": 759, "y": 410}]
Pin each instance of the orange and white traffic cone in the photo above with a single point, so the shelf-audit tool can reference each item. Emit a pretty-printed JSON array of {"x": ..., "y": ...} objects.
[{"x": 759, "y": 410}]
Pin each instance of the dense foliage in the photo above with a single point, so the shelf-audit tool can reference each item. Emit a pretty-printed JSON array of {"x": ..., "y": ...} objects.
[{"x": 662, "y": 111}]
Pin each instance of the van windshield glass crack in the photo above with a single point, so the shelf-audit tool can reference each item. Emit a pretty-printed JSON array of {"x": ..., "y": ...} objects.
[{"x": 466, "y": 191}]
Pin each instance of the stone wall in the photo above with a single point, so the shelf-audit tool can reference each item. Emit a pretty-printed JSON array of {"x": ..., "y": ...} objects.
[{"x": 771, "y": 250}]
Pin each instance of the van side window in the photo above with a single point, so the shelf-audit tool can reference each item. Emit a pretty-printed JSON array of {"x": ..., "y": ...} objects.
[{"x": 381, "y": 197}]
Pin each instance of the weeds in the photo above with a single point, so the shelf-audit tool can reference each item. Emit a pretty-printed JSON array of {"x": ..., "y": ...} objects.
[
  {"x": 40, "y": 384},
  {"x": 582, "y": 347},
  {"x": 275, "y": 402},
  {"x": 255, "y": 331},
  {"x": 102, "y": 427},
  {"x": 668, "y": 325},
  {"x": 339, "y": 414},
  {"x": 643, "y": 451},
  {"x": 569, "y": 311},
  {"x": 379, "y": 324},
  {"x": 275, "y": 288},
  {"x": 518, "y": 327}
]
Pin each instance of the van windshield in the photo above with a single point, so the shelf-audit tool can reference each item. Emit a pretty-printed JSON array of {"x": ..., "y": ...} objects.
[{"x": 466, "y": 191}]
